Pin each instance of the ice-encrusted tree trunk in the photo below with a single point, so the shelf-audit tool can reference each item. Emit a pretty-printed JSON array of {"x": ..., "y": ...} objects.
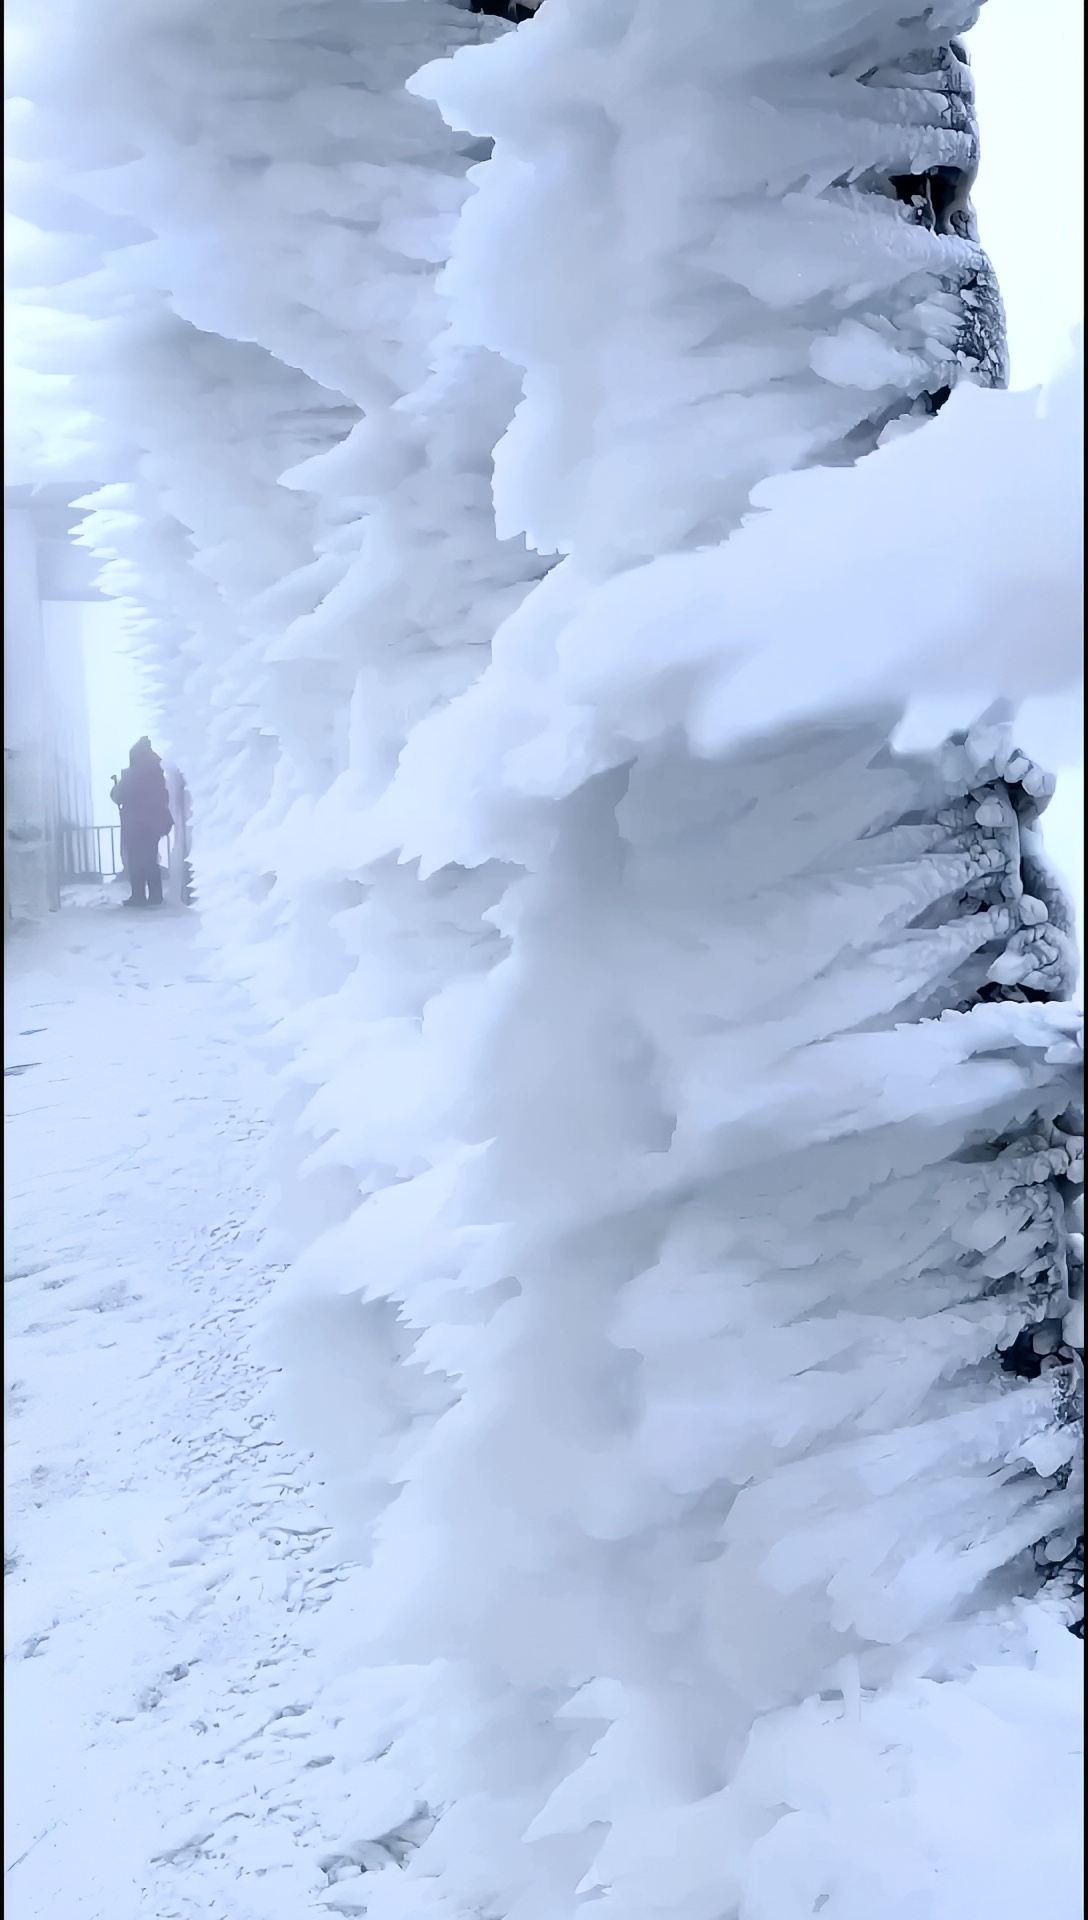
[
  {"x": 689, "y": 1144},
  {"x": 751, "y": 1258}
]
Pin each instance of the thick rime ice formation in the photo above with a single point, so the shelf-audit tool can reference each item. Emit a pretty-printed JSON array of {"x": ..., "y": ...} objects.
[
  {"x": 682, "y": 1140},
  {"x": 252, "y": 216}
]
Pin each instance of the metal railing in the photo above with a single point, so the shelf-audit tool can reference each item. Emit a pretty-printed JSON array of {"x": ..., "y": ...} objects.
[{"x": 91, "y": 853}]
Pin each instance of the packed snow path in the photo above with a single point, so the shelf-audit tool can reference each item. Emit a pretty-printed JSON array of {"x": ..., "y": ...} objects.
[{"x": 163, "y": 1568}]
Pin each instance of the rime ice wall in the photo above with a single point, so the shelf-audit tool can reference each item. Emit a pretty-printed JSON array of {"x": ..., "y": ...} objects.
[
  {"x": 751, "y": 1252},
  {"x": 681, "y": 1138},
  {"x": 234, "y": 237}
]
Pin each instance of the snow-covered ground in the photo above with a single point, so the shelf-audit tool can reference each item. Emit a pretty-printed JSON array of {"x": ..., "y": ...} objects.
[
  {"x": 188, "y": 1734},
  {"x": 164, "y": 1566}
]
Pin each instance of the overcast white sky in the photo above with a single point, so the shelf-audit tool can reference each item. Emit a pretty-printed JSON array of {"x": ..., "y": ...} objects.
[
  {"x": 1028, "y": 59},
  {"x": 116, "y": 712},
  {"x": 1028, "y": 62}
]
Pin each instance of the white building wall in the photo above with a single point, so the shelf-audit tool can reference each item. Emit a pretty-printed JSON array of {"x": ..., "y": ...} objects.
[
  {"x": 63, "y": 625},
  {"x": 30, "y": 867},
  {"x": 47, "y": 773}
]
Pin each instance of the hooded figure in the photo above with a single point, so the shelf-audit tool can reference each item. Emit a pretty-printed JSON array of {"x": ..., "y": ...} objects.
[{"x": 145, "y": 820}]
